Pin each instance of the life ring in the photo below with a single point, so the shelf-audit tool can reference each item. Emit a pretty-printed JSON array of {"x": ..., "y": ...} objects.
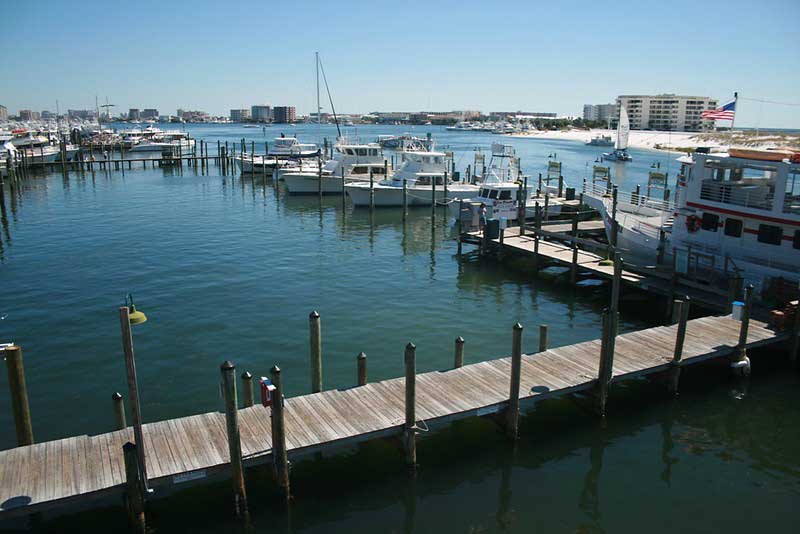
[{"x": 693, "y": 223}]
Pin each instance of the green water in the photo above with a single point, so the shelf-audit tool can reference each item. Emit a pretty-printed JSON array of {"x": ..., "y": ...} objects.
[{"x": 228, "y": 267}]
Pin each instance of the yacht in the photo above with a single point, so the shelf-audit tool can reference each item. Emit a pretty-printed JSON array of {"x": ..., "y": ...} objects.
[
  {"x": 621, "y": 146},
  {"x": 168, "y": 141},
  {"x": 737, "y": 211},
  {"x": 351, "y": 162},
  {"x": 421, "y": 174},
  {"x": 461, "y": 126}
]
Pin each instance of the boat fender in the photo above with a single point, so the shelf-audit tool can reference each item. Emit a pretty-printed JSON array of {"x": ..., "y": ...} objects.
[{"x": 693, "y": 223}]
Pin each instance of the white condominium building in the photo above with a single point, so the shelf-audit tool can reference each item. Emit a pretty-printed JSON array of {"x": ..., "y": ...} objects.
[{"x": 668, "y": 112}]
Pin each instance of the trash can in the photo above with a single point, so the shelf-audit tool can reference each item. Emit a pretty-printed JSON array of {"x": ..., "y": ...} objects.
[
  {"x": 737, "y": 309},
  {"x": 503, "y": 223},
  {"x": 493, "y": 229},
  {"x": 570, "y": 193}
]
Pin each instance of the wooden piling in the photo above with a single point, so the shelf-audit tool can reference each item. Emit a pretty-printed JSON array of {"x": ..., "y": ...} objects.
[
  {"x": 228, "y": 372},
  {"x": 740, "y": 362},
  {"x": 19, "y": 395},
  {"x": 682, "y": 312},
  {"x": 606, "y": 359},
  {"x": 459, "y": 353},
  {"x": 512, "y": 412},
  {"x": 247, "y": 389},
  {"x": 133, "y": 389},
  {"x": 315, "y": 336},
  {"x": 405, "y": 199},
  {"x": 543, "y": 341},
  {"x": 410, "y": 429},
  {"x": 134, "y": 497},
  {"x": 361, "y": 362},
  {"x": 794, "y": 345},
  {"x": 119, "y": 411},
  {"x": 279, "y": 455}
]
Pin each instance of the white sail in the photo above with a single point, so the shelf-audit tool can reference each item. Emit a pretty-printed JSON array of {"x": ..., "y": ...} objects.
[{"x": 623, "y": 129}]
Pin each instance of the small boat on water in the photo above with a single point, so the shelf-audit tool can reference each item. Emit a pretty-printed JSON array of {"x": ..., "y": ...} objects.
[
  {"x": 351, "y": 162},
  {"x": 601, "y": 140},
  {"x": 165, "y": 142},
  {"x": 290, "y": 147},
  {"x": 421, "y": 176},
  {"x": 621, "y": 146}
]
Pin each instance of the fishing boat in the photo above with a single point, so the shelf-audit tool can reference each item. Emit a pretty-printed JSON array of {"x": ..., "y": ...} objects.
[
  {"x": 733, "y": 213},
  {"x": 351, "y": 162},
  {"x": 421, "y": 178},
  {"x": 503, "y": 191},
  {"x": 621, "y": 146},
  {"x": 290, "y": 147}
]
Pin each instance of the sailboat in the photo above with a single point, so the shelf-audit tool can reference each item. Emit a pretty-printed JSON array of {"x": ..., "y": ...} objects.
[{"x": 621, "y": 146}]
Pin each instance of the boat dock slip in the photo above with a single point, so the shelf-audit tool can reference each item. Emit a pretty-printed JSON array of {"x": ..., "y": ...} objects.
[{"x": 73, "y": 470}]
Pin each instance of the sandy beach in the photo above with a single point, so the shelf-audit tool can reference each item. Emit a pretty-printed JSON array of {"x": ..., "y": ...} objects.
[{"x": 655, "y": 140}]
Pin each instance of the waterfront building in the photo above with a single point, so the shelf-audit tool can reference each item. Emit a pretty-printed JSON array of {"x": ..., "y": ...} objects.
[
  {"x": 150, "y": 113},
  {"x": 284, "y": 114},
  {"x": 506, "y": 115},
  {"x": 261, "y": 113},
  {"x": 600, "y": 112},
  {"x": 84, "y": 114},
  {"x": 677, "y": 113},
  {"x": 28, "y": 115},
  {"x": 3, "y": 113},
  {"x": 240, "y": 115},
  {"x": 134, "y": 114},
  {"x": 193, "y": 116}
]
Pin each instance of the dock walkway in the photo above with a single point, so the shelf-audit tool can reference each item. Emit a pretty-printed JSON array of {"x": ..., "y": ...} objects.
[{"x": 75, "y": 469}]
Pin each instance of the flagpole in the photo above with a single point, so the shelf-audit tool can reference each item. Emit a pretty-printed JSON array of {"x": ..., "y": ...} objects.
[{"x": 735, "y": 107}]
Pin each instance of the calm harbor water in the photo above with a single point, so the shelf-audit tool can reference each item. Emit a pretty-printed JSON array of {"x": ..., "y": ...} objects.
[{"x": 229, "y": 268}]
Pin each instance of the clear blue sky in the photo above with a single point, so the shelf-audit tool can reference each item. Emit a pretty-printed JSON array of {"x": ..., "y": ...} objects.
[{"x": 400, "y": 55}]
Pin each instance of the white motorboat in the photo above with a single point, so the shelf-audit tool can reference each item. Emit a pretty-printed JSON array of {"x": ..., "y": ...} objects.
[
  {"x": 351, "y": 162},
  {"x": 169, "y": 141},
  {"x": 421, "y": 178},
  {"x": 290, "y": 147},
  {"x": 621, "y": 146}
]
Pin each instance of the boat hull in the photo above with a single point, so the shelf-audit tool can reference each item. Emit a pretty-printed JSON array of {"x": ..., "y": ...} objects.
[{"x": 415, "y": 196}]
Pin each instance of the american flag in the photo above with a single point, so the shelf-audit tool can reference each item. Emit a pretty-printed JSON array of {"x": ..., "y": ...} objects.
[{"x": 724, "y": 113}]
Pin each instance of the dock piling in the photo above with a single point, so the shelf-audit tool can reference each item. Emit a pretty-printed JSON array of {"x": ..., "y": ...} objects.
[
  {"x": 410, "y": 430},
  {"x": 543, "y": 337},
  {"x": 459, "y": 354},
  {"x": 682, "y": 313},
  {"x": 228, "y": 371},
  {"x": 247, "y": 389},
  {"x": 740, "y": 363},
  {"x": 119, "y": 411},
  {"x": 279, "y": 455},
  {"x": 512, "y": 413},
  {"x": 361, "y": 362},
  {"x": 315, "y": 334},
  {"x": 134, "y": 497},
  {"x": 795, "y": 341},
  {"x": 19, "y": 395},
  {"x": 606, "y": 358}
]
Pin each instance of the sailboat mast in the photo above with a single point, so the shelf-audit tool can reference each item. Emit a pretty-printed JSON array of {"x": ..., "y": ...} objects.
[{"x": 319, "y": 114}]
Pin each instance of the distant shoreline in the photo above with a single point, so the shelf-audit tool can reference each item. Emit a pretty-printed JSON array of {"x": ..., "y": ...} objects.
[{"x": 675, "y": 141}]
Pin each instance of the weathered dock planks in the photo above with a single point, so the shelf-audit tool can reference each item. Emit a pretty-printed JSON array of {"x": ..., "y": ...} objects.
[{"x": 44, "y": 475}]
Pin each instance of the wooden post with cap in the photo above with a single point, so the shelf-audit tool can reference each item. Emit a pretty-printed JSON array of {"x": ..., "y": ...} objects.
[
  {"x": 512, "y": 413},
  {"x": 316, "y": 351},
  {"x": 119, "y": 411},
  {"x": 279, "y": 453},
  {"x": 682, "y": 313},
  {"x": 247, "y": 389},
  {"x": 19, "y": 395},
  {"x": 459, "y": 353},
  {"x": 410, "y": 428},
  {"x": 361, "y": 361},
  {"x": 228, "y": 371}
]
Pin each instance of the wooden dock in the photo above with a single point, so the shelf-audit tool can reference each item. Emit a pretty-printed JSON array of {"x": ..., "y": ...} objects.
[
  {"x": 651, "y": 279},
  {"x": 76, "y": 469}
]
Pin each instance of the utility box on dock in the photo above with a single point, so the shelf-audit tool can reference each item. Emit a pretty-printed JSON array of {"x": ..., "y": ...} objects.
[{"x": 736, "y": 310}]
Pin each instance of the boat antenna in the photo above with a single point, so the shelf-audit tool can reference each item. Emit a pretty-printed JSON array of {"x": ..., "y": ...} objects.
[{"x": 328, "y": 90}]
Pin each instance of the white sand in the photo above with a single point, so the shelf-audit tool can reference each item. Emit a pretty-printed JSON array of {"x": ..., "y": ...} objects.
[{"x": 661, "y": 140}]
